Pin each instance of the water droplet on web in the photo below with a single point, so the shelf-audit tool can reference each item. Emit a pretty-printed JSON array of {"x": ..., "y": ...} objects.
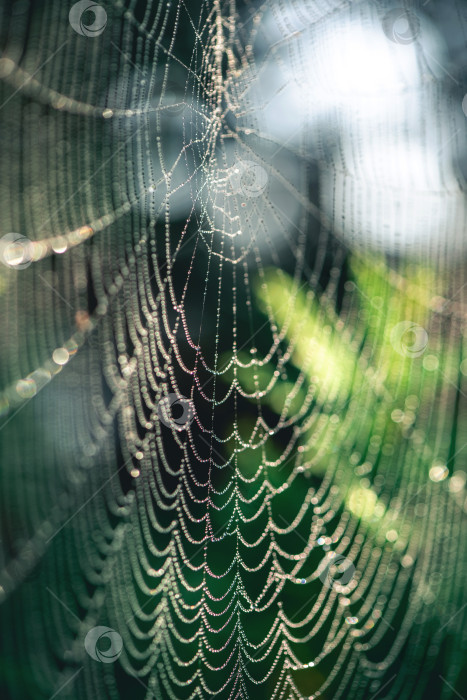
[{"x": 60, "y": 356}]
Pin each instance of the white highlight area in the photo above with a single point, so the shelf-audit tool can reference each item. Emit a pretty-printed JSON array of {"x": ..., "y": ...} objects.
[
  {"x": 356, "y": 59},
  {"x": 363, "y": 92}
]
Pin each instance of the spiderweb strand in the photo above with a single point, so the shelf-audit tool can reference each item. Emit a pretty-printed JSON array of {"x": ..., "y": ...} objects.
[{"x": 277, "y": 538}]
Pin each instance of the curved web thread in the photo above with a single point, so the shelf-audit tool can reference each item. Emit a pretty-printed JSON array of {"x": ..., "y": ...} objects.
[{"x": 277, "y": 537}]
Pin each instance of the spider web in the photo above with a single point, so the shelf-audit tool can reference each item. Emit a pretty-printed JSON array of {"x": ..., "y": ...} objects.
[{"x": 217, "y": 439}]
